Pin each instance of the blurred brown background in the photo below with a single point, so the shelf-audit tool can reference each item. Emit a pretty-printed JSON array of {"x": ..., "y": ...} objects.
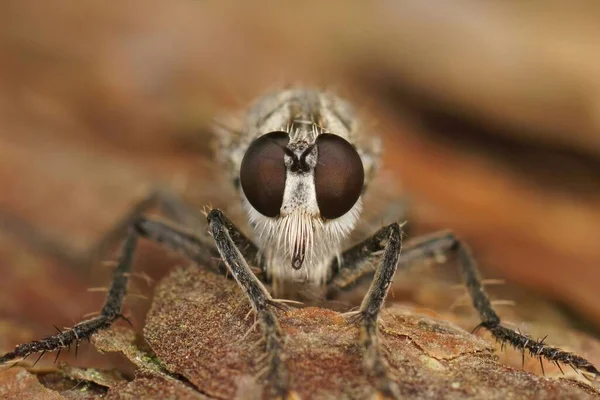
[{"x": 489, "y": 112}]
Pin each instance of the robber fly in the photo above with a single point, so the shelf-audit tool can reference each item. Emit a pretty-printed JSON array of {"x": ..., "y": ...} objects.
[{"x": 301, "y": 162}]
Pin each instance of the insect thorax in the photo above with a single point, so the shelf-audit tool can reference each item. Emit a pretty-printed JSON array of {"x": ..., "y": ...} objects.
[{"x": 304, "y": 114}]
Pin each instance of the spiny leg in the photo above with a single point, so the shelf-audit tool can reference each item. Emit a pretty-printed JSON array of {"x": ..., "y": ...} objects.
[
  {"x": 110, "y": 312},
  {"x": 193, "y": 247},
  {"x": 246, "y": 247},
  {"x": 354, "y": 270},
  {"x": 444, "y": 242},
  {"x": 188, "y": 244},
  {"x": 391, "y": 238},
  {"x": 261, "y": 301},
  {"x": 491, "y": 321},
  {"x": 162, "y": 199}
]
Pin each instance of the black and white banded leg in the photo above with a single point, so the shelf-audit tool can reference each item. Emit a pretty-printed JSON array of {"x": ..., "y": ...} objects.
[
  {"x": 353, "y": 269},
  {"x": 390, "y": 239}
]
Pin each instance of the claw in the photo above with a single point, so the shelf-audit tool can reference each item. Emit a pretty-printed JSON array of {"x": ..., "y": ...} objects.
[{"x": 353, "y": 317}]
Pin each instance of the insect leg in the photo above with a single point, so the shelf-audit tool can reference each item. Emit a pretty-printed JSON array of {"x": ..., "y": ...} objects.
[
  {"x": 188, "y": 244},
  {"x": 491, "y": 321},
  {"x": 353, "y": 270},
  {"x": 168, "y": 203},
  {"x": 194, "y": 247},
  {"x": 224, "y": 232},
  {"x": 174, "y": 208},
  {"x": 110, "y": 312},
  {"x": 371, "y": 305}
]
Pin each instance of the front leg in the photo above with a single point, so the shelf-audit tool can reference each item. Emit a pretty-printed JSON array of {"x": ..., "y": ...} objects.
[
  {"x": 371, "y": 305},
  {"x": 261, "y": 301}
]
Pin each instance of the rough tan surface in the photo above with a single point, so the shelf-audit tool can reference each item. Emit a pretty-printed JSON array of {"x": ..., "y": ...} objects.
[
  {"x": 88, "y": 133},
  {"x": 17, "y": 383},
  {"x": 197, "y": 320},
  {"x": 153, "y": 386},
  {"x": 150, "y": 381},
  {"x": 202, "y": 345},
  {"x": 98, "y": 104}
]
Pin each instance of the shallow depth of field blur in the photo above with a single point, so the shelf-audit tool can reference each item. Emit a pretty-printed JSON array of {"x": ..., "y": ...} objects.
[{"x": 490, "y": 115}]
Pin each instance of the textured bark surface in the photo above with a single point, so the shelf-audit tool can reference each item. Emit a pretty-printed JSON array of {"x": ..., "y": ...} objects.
[
  {"x": 197, "y": 320},
  {"x": 194, "y": 331},
  {"x": 488, "y": 113}
]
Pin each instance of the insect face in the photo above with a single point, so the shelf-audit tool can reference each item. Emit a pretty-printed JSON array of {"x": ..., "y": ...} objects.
[
  {"x": 331, "y": 165},
  {"x": 301, "y": 162},
  {"x": 300, "y": 187}
]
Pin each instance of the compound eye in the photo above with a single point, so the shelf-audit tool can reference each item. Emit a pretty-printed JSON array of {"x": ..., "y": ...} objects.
[
  {"x": 339, "y": 176},
  {"x": 262, "y": 174}
]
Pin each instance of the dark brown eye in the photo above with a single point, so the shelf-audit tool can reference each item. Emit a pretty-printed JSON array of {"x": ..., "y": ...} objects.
[
  {"x": 339, "y": 176},
  {"x": 262, "y": 174}
]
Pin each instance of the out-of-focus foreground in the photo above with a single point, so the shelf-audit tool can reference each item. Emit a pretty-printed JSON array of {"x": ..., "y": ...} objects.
[{"x": 489, "y": 114}]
